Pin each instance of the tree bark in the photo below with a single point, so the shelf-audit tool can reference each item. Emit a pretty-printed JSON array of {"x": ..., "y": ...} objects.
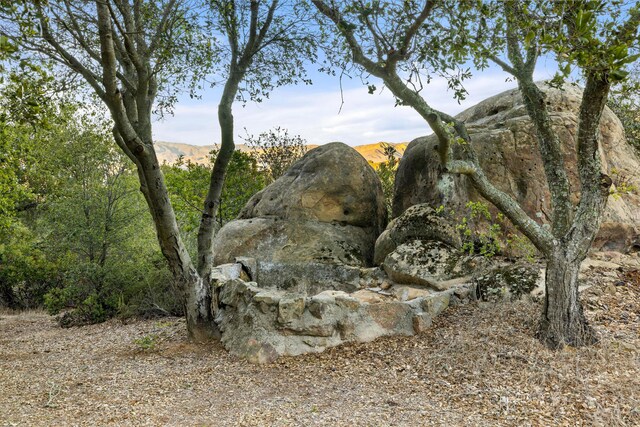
[
  {"x": 135, "y": 137},
  {"x": 216, "y": 182},
  {"x": 563, "y": 321},
  {"x": 241, "y": 60}
]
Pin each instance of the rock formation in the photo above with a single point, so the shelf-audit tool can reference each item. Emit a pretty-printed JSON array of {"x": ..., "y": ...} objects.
[
  {"x": 295, "y": 274},
  {"x": 305, "y": 229},
  {"x": 505, "y": 140},
  {"x": 417, "y": 222},
  {"x": 262, "y": 324}
]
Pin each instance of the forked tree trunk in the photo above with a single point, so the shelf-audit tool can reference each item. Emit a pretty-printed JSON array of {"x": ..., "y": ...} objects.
[
  {"x": 563, "y": 321},
  {"x": 197, "y": 307}
]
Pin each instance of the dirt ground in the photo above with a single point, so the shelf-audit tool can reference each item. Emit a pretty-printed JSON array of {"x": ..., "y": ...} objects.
[{"x": 480, "y": 365}]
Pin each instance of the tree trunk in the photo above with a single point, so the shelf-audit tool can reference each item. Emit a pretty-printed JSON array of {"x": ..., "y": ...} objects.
[
  {"x": 563, "y": 321},
  {"x": 196, "y": 296},
  {"x": 212, "y": 200},
  {"x": 197, "y": 307}
]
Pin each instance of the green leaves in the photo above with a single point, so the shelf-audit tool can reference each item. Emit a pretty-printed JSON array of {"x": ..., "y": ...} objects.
[
  {"x": 188, "y": 182},
  {"x": 6, "y": 47},
  {"x": 584, "y": 23},
  {"x": 618, "y": 75},
  {"x": 275, "y": 151},
  {"x": 529, "y": 38}
]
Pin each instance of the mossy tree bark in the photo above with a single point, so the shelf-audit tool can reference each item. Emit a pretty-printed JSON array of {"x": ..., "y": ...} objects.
[{"x": 563, "y": 320}]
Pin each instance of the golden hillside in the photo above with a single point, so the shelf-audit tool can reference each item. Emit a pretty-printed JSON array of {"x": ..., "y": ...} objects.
[{"x": 170, "y": 151}]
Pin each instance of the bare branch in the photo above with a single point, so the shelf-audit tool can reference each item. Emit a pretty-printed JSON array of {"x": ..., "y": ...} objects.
[{"x": 67, "y": 57}]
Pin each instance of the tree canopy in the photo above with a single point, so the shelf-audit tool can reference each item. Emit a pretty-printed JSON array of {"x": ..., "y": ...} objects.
[{"x": 136, "y": 55}]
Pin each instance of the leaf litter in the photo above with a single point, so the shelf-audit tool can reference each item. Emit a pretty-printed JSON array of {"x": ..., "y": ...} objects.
[{"x": 479, "y": 365}]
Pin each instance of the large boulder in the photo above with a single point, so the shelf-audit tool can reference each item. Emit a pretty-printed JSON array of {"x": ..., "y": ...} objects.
[
  {"x": 426, "y": 263},
  {"x": 420, "y": 178},
  {"x": 261, "y": 324},
  {"x": 417, "y": 222},
  {"x": 422, "y": 248},
  {"x": 323, "y": 214},
  {"x": 505, "y": 140}
]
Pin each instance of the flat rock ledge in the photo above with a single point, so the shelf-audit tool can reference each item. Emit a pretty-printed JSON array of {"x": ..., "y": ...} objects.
[{"x": 262, "y": 324}]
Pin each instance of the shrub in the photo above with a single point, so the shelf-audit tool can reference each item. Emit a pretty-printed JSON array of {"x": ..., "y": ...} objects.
[
  {"x": 387, "y": 173},
  {"x": 275, "y": 151}
]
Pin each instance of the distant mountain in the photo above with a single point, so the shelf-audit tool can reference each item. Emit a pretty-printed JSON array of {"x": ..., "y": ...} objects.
[{"x": 170, "y": 151}]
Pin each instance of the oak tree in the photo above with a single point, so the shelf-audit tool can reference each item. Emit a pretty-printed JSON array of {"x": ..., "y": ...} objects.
[
  {"x": 136, "y": 55},
  {"x": 407, "y": 43}
]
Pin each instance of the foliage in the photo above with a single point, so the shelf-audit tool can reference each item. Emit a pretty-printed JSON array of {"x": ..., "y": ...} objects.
[
  {"x": 621, "y": 184},
  {"x": 275, "y": 151},
  {"x": 26, "y": 271},
  {"x": 79, "y": 237},
  {"x": 271, "y": 54},
  {"x": 486, "y": 243},
  {"x": 188, "y": 181},
  {"x": 98, "y": 218},
  {"x": 486, "y": 234},
  {"x": 147, "y": 342},
  {"x": 29, "y": 120},
  {"x": 244, "y": 179},
  {"x": 406, "y": 43},
  {"x": 625, "y": 103},
  {"x": 136, "y": 56},
  {"x": 387, "y": 173},
  {"x": 12, "y": 190},
  {"x": 25, "y": 109},
  {"x": 170, "y": 32}
]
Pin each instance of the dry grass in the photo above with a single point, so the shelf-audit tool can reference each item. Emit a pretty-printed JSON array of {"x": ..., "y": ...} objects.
[{"x": 479, "y": 366}]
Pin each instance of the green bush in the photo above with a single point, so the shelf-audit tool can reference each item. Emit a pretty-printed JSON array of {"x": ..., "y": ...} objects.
[
  {"x": 387, "y": 173},
  {"x": 485, "y": 234},
  {"x": 188, "y": 183},
  {"x": 26, "y": 272},
  {"x": 76, "y": 236}
]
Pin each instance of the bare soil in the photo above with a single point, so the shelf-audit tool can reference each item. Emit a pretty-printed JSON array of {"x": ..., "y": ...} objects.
[{"x": 480, "y": 365}]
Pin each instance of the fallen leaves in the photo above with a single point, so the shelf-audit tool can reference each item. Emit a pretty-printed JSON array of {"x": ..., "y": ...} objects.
[{"x": 479, "y": 365}]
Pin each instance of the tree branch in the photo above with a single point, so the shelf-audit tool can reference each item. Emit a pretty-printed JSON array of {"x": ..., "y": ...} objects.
[
  {"x": 155, "y": 39},
  {"x": 68, "y": 58},
  {"x": 548, "y": 141},
  {"x": 413, "y": 29},
  {"x": 266, "y": 25},
  {"x": 346, "y": 29}
]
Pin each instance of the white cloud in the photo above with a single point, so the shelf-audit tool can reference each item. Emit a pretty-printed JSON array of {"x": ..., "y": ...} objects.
[{"x": 314, "y": 113}]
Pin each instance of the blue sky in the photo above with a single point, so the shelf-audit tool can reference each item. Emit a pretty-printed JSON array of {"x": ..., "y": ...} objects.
[{"x": 314, "y": 111}]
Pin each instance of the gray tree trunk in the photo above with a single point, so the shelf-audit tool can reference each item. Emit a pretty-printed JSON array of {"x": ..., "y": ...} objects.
[
  {"x": 216, "y": 185},
  {"x": 563, "y": 321}
]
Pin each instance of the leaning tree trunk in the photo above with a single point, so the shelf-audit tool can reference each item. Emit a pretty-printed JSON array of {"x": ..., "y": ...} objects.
[
  {"x": 216, "y": 184},
  {"x": 200, "y": 325},
  {"x": 563, "y": 321}
]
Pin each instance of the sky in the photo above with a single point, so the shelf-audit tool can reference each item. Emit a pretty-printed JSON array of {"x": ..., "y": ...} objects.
[{"x": 314, "y": 113}]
